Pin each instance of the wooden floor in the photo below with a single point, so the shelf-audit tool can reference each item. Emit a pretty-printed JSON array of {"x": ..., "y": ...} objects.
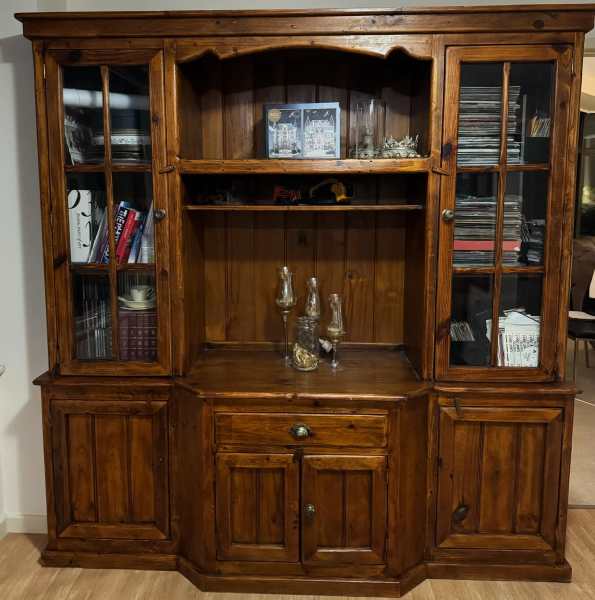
[{"x": 21, "y": 577}]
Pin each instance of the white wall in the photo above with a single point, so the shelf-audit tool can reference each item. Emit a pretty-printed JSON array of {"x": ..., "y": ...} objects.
[{"x": 22, "y": 317}]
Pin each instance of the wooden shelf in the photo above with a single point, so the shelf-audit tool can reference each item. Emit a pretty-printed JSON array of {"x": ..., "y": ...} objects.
[
  {"x": 303, "y": 208},
  {"x": 115, "y": 167},
  {"x": 303, "y": 167},
  {"x": 377, "y": 374},
  {"x": 104, "y": 267}
]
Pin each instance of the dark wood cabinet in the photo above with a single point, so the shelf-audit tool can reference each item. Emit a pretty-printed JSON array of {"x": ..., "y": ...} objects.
[
  {"x": 175, "y": 435},
  {"x": 111, "y": 469},
  {"x": 344, "y": 509},
  {"x": 498, "y": 477},
  {"x": 257, "y": 499}
]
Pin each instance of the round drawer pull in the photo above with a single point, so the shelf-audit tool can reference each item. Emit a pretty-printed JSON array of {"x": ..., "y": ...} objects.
[
  {"x": 309, "y": 510},
  {"x": 300, "y": 431}
]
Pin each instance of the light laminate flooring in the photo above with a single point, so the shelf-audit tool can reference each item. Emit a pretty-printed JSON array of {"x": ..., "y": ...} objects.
[{"x": 22, "y": 578}]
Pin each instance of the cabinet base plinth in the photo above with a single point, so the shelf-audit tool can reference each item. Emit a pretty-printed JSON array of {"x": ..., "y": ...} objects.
[
  {"x": 90, "y": 560},
  {"x": 388, "y": 588},
  {"x": 514, "y": 572}
]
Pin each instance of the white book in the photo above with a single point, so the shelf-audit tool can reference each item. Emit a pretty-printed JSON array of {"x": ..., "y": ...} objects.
[{"x": 80, "y": 205}]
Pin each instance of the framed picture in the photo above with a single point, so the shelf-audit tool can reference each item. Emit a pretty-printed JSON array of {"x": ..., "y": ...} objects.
[{"x": 306, "y": 130}]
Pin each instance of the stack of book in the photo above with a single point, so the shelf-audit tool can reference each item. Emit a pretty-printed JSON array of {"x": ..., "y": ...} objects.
[
  {"x": 93, "y": 327},
  {"x": 533, "y": 235},
  {"x": 475, "y": 230},
  {"x": 133, "y": 237},
  {"x": 138, "y": 334},
  {"x": 480, "y": 121}
]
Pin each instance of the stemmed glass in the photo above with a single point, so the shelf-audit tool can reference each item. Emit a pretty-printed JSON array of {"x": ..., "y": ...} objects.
[
  {"x": 335, "y": 329},
  {"x": 286, "y": 301}
]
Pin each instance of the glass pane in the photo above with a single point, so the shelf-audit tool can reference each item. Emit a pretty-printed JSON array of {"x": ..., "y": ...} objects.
[
  {"x": 471, "y": 319},
  {"x": 86, "y": 217},
  {"x": 475, "y": 219},
  {"x": 92, "y": 316},
  {"x": 519, "y": 323},
  {"x": 525, "y": 208},
  {"x": 129, "y": 114},
  {"x": 480, "y": 114},
  {"x": 587, "y": 195},
  {"x": 133, "y": 218},
  {"x": 83, "y": 115},
  {"x": 529, "y": 110},
  {"x": 137, "y": 311}
]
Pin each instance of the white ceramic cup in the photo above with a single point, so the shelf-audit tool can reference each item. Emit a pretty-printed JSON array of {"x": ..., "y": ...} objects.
[{"x": 140, "y": 293}]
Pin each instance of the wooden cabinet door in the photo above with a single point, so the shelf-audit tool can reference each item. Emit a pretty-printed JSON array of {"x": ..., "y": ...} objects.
[
  {"x": 110, "y": 243},
  {"x": 257, "y": 500},
  {"x": 503, "y": 198},
  {"x": 499, "y": 475},
  {"x": 344, "y": 509},
  {"x": 110, "y": 467}
]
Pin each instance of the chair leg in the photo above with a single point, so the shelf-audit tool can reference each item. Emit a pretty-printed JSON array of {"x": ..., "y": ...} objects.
[
  {"x": 574, "y": 360},
  {"x": 587, "y": 354}
]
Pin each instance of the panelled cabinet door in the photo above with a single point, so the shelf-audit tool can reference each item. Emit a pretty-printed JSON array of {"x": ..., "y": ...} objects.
[
  {"x": 499, "y": 473},
  {"x": 502, "y": 204},
  {"x": 257, "y": 499},
  {"x": 110, "y": 464},
  {"x": 109, "y": 232},
  {"x": 344, "y": 509}
]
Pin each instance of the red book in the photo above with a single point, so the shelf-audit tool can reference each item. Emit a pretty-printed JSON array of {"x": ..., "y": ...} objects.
[
  {"x": 508, "y": 245},
  {"x": 125, "y": 241}
]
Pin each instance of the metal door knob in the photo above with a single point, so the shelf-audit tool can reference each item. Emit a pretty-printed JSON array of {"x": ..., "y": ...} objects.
[
  {"x": 159, "y": 214},
  {"x": 309, "y": 510},
  {"x": 448, "y": 215},
  {"x": 300, "y": 431}
]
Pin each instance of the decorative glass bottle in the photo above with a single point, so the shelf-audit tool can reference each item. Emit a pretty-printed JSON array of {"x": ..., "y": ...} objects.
[
  {"x": 369, "y": 127},
  {"x": 306, "y": 349},
  {"x": 312, "y": 307}
]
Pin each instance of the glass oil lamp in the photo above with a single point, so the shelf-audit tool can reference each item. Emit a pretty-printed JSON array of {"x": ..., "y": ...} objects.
[{"x": 286, "y": 301}]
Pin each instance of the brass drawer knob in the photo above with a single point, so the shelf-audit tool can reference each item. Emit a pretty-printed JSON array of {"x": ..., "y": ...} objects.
[
  {"x": 300, "y": 431},
  {"x": 448, "y": 215},
  {"x": 309, "y": 510}
]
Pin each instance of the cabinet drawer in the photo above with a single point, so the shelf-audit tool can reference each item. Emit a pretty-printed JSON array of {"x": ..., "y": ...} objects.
[{"x": 361, "y": 431}]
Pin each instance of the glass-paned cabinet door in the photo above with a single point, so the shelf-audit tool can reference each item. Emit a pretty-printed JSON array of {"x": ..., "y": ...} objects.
[
  {"x": 105, "y": 113},
  {"x": 501, "y": 212}
]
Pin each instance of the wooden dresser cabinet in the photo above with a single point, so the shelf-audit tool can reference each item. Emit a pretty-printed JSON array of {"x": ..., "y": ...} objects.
[{"x": 175, "y": 435}]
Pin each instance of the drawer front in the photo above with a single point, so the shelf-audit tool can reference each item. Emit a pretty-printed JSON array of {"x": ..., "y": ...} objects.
[{"x": 360, "y": 431}]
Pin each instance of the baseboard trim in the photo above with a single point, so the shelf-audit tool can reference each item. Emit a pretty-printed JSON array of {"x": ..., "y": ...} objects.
[
  {"x": 26, "y": 523},
  {"x": 3, "y": 526}
]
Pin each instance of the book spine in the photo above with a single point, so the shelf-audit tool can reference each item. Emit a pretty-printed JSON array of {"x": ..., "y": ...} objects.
[
  {"x": 507, "y": 245},
  {"x": 125, "y": 239},
  {"x": 135, "y": 246},
  {"x": 119, "y": 222},
  {"x": 147, "y": 249},
  {"x": 80, "y": 208}
]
